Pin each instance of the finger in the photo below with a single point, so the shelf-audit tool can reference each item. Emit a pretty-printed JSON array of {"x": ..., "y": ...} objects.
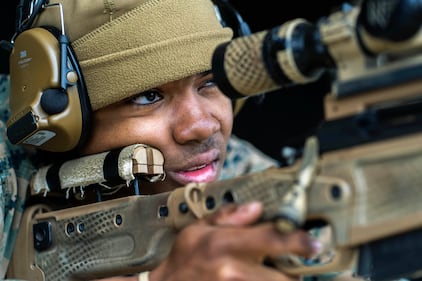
[
  {"x": 232, "y": 214},
  {"x": 261, "y": 241},
  {"x": 233, "y": 269},
  {"x": 218, "y": 268},
  {"x": 300, "y": 243}
]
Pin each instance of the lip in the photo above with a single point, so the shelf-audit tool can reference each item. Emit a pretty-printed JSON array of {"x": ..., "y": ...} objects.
[{"x": 204, "y": 168}]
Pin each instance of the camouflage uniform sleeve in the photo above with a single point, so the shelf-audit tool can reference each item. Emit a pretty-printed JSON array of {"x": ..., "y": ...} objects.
[
  {"x": 244, "y": 158},
  {"x": 15, "y": 171}
]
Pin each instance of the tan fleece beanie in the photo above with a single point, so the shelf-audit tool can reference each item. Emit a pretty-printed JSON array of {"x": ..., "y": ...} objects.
[{"x": 125, "y": 47}]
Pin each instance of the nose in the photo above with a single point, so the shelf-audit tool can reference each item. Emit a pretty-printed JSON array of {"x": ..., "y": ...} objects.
[{"x": 194, "y": 119}]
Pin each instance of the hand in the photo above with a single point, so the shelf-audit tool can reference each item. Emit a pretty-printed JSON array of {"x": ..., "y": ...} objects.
[{"x": 228, "y": 245}]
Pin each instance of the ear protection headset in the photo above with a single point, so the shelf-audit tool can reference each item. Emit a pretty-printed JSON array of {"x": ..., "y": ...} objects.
[
  {"x": 230, "y": 17},
  {"x": 49, "y": 106}
]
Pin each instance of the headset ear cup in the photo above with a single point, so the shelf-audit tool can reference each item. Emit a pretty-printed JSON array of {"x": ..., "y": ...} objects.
[
  {"x": 229, "y": 16},
  {"x": 58, "y": 116}
]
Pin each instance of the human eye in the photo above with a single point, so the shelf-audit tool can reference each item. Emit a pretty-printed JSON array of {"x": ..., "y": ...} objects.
[
  {"x": 147, "y": 97},
  {"x": 207, "y": 82}
]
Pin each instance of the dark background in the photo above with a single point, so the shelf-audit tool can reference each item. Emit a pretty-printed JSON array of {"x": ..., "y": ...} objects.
[{"x": 274, "y": 120}]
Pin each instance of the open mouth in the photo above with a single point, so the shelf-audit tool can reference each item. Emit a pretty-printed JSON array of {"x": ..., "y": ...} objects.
[{"x": 201, "y": 173}]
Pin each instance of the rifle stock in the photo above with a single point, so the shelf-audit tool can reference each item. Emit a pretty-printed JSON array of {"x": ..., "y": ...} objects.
[{"x": 364, "y": 193}]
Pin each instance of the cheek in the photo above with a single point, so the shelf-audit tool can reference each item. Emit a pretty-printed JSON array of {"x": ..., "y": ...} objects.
[
  {"x": 111, "y": 133},
  {"x": 106, "y": 134}
]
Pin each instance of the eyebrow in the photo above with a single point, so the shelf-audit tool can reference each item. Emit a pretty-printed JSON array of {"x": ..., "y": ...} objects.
[{"x": 205, "y": 73}]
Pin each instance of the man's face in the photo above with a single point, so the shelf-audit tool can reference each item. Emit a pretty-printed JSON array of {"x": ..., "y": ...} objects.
[{"x": 188, "y": 120}]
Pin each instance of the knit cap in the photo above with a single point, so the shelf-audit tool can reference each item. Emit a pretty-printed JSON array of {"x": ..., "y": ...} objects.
[{"x": 125, "y": 47}]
